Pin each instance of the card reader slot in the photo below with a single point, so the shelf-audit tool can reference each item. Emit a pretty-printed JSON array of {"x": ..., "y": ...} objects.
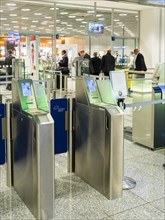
[{"x": 107, "y": 122}]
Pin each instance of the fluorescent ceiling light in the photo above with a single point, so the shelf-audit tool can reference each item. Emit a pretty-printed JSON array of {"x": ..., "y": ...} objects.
[
  {"x": 24, "y": 18},
  {"x": 48, "y": 17},
  {"x": 90, "y": 12},
  {"x": 79, "y": 19},
  {"x": 122, "y": 14},
  {"x": 71, "y": 16},
  {"x": 99, "y": 15},
  {"x": 25, "y": 9},
  {"x": 11, "y": 4},
  {"x": 14, "y": 22},
  {"x": 34, "y": 21},
  {"x": 63, "y": 13},
  {"x": 13, "y": 15},
  {"x": 6, "y": 25},
  {"x": 37, "y": 13},
  {"x": 1, "y": 10},
  {"x": 101, "y": 19},
  {"x": 3, "y": 19}
]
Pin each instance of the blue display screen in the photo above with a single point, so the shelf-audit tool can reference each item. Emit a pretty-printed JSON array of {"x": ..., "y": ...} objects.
[
  {"x": 26, "y": 89},
  {"x": 91, "y": 85},
  {"x": 95, "y": 28}
]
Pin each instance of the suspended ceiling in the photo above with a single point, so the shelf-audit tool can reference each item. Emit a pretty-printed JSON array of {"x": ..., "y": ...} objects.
[{"x": 71, "y": 17}]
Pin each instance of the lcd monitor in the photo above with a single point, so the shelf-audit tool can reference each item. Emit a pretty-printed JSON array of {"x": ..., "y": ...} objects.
[
  {"x": 95, "y": 28},
  {"x": 26, "y": 89},
  {"x": 91, "y": 85},
  {"x": 119, "y": 84}
]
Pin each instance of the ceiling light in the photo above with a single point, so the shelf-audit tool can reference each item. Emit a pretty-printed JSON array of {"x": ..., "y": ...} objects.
[
  {"x": 16, "y": 26},
  {"x": 24, "y": 18},
  {"x": 122, "y": 14},
  {"x": 71, "y": 16},
  {"x": 116, "y": 20},
  {"x": 25, "y": 9},
  {"x": 63, "y": 22},
  {"x": 99, "y": 15},
  {"x": 6, "y": 25},
  {"x": 24, "y": 28},
  {"x": 90, "y": 12},
  {"x": 15, "y": 22},
  {"x": 11, "y": 4},
  {"x": 3, "y": 19},
  {"x": 48, "y": 17},
  {"x": 101, "y": 19},
  {"x": 34, "y": 21},
  {"x": 84, "y": 22},
  {"x": 33, "y": 26},
  {"x": 63, "y": 13},
  {"x": 70, "y": 25},
  {"x": 79, "y": 19},
  {"x": 13, "y": 15},
  {"x": 1, "y": 10},
  {"x": 37, "y": 13}
]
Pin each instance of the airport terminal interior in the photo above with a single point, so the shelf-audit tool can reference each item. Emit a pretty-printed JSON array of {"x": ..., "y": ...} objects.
[{"x": 76, "y": 144}]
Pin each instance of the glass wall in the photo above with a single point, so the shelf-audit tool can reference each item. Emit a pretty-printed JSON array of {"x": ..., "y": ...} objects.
[{"x": 66, "y": 26}]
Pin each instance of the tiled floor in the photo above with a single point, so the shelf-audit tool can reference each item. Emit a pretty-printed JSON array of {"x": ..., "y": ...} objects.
[{"x": 74, "y": 199}]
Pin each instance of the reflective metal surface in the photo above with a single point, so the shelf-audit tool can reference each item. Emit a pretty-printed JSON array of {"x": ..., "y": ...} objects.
[
  {"x": 33, "y": 158},
  {"x": 99, "y": 144},
  {"x": 148, "y": 121}
]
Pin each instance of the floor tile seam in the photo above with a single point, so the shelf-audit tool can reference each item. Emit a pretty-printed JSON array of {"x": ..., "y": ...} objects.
[
  {"x": 144, "y": 199},
  {"x": 111, "y": 216},
  {"x": 145, "y": 202},
  {"x": 158, "y": 207},
  {"x": 139, "y": 197}
]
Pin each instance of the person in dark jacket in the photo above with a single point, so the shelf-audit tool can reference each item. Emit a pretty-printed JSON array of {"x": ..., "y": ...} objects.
[
  {"x": 139, "y": 63},
  {"x": 63, "y": 67},
  {"x": 107, "y": 63},
  {"x": 83, "y": 56},
  {"x": 63, "y": 64},
  {"x": 8, "y": 63},
  {"x": 96, "y": 63}
]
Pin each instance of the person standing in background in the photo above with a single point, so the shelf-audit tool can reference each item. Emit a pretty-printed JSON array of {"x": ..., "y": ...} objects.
[
  {"x": 63, "y": 63},
  {"x": 8, "y": 63},
  {"x": 108, "y": 63},
  {"x": 139, "y": 63},
  {"x": 96, "y": 63}
]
